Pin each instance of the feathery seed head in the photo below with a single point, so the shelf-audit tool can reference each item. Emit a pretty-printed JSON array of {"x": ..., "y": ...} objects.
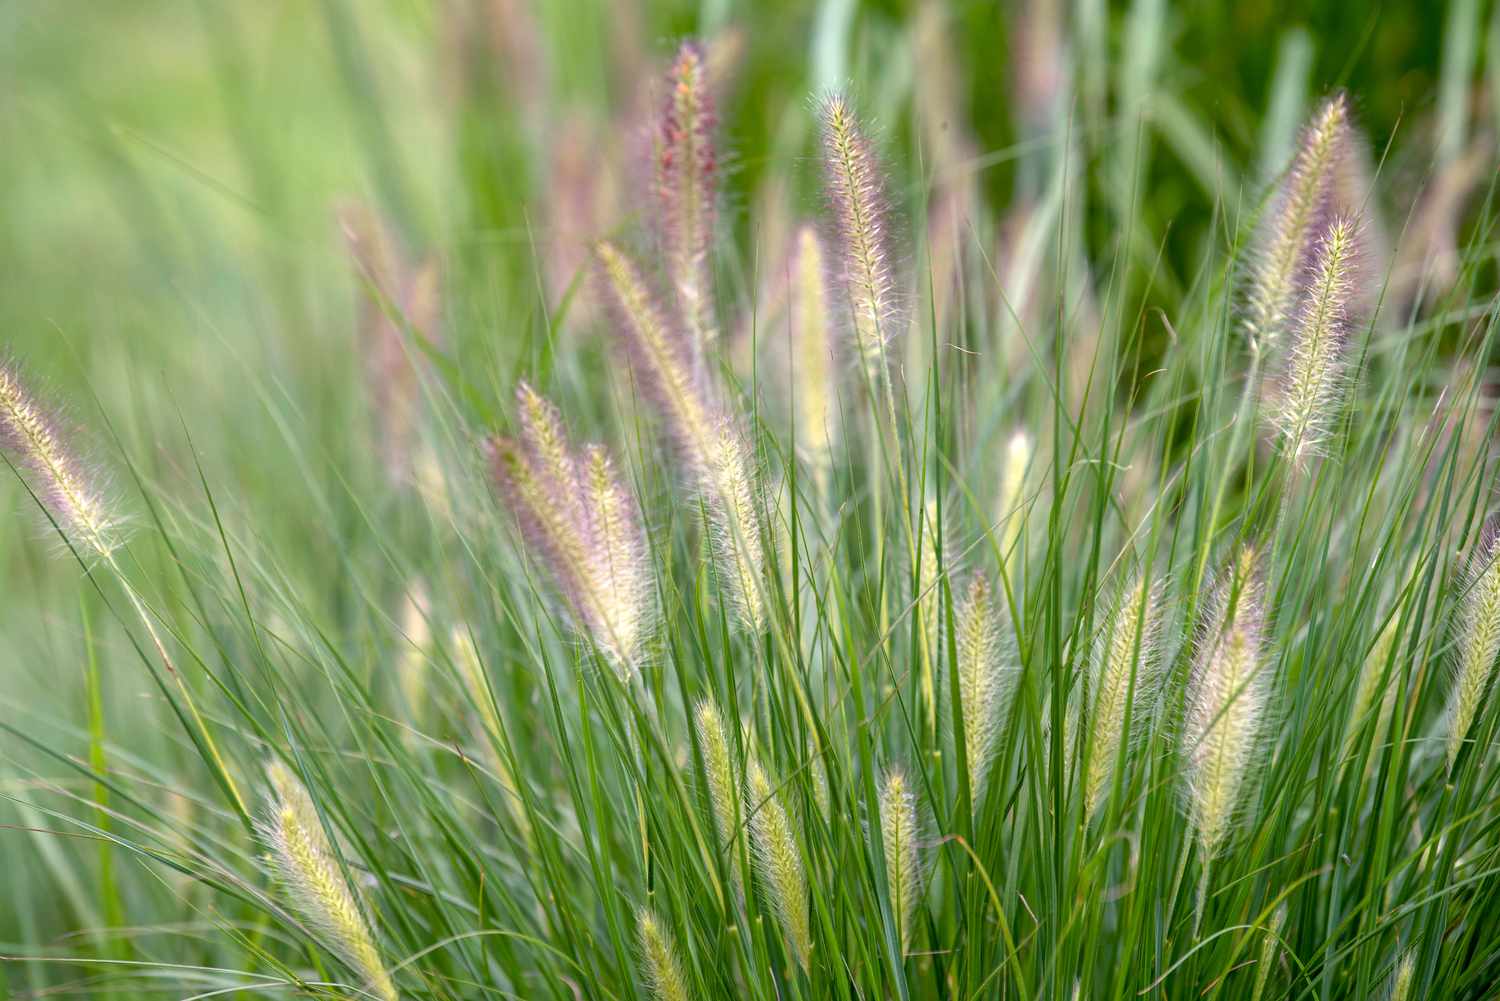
[
  {"x": 583, "y": 526},
  {"x": 818, "y": 770},
  {"x": 1268, "y": 949},
  {"x": 686, "y": 171},
  {"x": 70, "y": 494},
  {"x": 779, "y": 861},
  {"x": 627, "y": 600},
  {"x": 709, "y": 439},
  {"x": 898, "y": 838},
  {"x": 305, "y": 864},
  {"x": 660, "y": 356},
  {"x": 476, "y": 683},
  {"x": 1289, "y": 233},
  {"x": 1312, "y": 384},
  {"x": 734, "y": 523},
  {"x": 1125, "y": 681},
  {"x": 1478, "y": 637},
  {"x": 718, "y": 767},
  {"x": 1228, "y": 698},
  {"x": 860, "y": 212},
  {"x": 663, "y": 971},
  {"x": 985, "y": 674}
]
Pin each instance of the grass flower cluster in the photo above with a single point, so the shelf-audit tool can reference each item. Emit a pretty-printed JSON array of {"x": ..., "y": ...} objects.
[{"x": 837, "y": 529}]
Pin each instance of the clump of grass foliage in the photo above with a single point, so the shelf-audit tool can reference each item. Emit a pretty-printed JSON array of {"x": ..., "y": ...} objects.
[{"x": 789, "y": 572}]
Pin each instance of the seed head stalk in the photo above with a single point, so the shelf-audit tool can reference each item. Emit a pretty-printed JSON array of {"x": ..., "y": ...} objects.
[
  {"x": 77, "y": 507},
  {"x": 858, "y": 201}
]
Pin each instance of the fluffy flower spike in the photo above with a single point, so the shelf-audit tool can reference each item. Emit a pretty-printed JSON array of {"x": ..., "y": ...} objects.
[
  {"x": 662, "y": 969},
  {"x": 899, "y": 833},
  {"x": 306, "y": 866},
  {"x": 686, "y": 173},
  {"x": 718, "y": 767},
  {"x": 397, "y": 292},
  {"x": 1404, "y": 975},
  {"x": 660, "y": 356},
  {"x": 856, "y": 190},
  {"x": 709, "y": 439},
  {"x": 779, "y": 860},
  {"x": 1289, "y": 235},
  {"x": 1312, "y": 385},
  {"x": 984, "y": 677},
  {"x": 1228, "y": 698},
  {"x": 1010, "y": 510},
  {"x": 1125, "y": 681},
  {"x": 1375, "y": 692},
  {"x": 582, "y": 525},
  {"x": 36, "y": 440},
  {"x": 476, "y": 683},
  {"x": 734, "y": 524},
  {"x": 929, "y": 606},
  {"x": 1478, "y": 638}
]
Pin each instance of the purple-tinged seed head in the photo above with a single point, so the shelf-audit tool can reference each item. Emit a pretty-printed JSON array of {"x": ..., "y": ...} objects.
[
  {"x": 1304, "y": 205},
  {"x": 659, "y": 356},
  {"x": 861, "y": 223},
  {"x": 581, "y": 525},
  {"x": 686, "y": 178},
  {"x": 797, "y": 320},
  {"x": 545, "y": 439}
]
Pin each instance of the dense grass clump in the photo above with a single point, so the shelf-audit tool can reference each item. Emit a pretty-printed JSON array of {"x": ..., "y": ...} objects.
[{"x": 783, "y": 562}]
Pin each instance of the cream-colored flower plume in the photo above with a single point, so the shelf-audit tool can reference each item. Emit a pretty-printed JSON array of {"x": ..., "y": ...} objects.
[
  {"x": 899, "y": 834},
  {"x": 663, "y": 971},
  {"x": 34, "y": 437},
  {"x": 779, "y": 861},
  {"x": 1125, "y": 682},
  {"x": 309, "y": 872},
  {"x": 986, "y": 672},
  {"x": 1228, "y": 700},
  {"x": 1478, "y": 638}
]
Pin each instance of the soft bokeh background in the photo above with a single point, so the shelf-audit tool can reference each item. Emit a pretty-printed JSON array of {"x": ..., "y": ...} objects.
[{"x": 171, "y": 174}]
